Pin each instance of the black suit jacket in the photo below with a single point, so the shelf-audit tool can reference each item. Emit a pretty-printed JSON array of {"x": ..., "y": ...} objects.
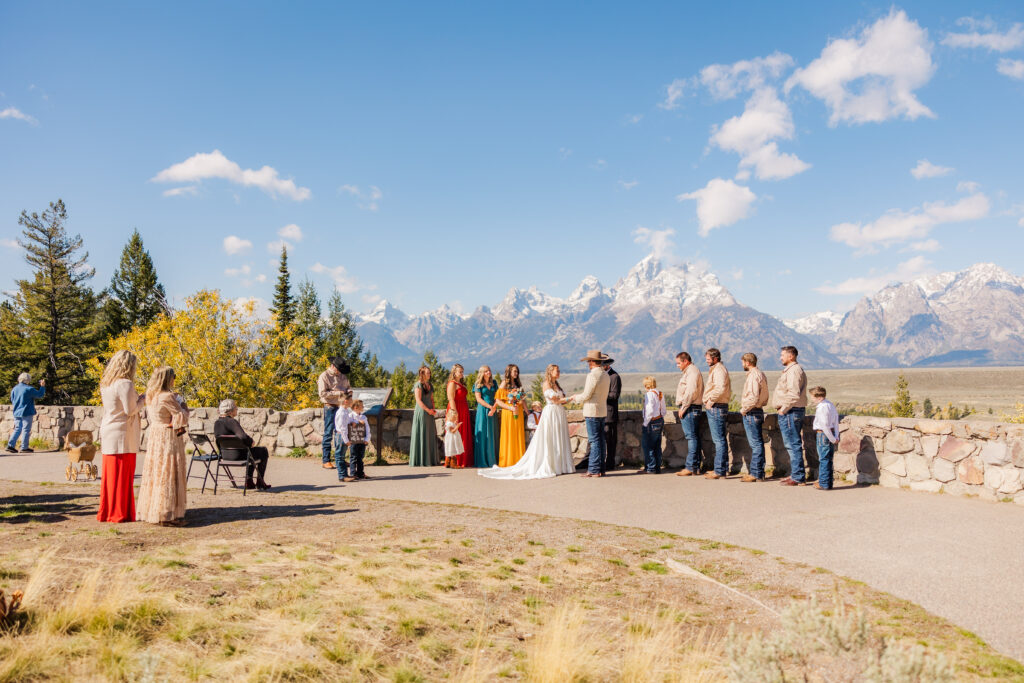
[
  {"x": 228, "y": 426},
  {"x": 614, "y": 389}
]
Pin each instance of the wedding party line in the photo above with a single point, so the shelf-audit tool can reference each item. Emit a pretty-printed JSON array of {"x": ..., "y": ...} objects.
[{"x": 494, "y": 440}]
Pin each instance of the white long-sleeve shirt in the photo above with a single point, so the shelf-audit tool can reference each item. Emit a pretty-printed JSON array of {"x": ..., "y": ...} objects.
[
  {"x": 341, "y": 419},
  {"x": 351, "y": 418},
  {"x": 654, "y": 405},
  {"x": 826, "y": 420}
]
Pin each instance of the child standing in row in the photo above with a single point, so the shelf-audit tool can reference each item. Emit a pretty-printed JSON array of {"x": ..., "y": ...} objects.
[
  {"x": 532, "y": 420},
  {"x": 356, "y": 436},
  {"x": 654, "y": 425},
  {"x": 341, "y": 419},
  {"x": 826, "y": 432},
  {"x": 453, "y": 445}
]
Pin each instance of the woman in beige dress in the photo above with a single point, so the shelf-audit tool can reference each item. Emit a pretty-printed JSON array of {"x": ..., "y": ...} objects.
[{"x": 162, "y": 494}]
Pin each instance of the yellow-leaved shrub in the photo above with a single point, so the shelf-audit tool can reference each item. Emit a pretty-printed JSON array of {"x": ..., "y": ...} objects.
[{"x": 221, "y": 351}]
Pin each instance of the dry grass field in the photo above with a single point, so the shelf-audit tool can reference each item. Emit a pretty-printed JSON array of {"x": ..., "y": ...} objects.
[
  {"x": 310, "y": 587},
  {"x": 982, "y": 388}
]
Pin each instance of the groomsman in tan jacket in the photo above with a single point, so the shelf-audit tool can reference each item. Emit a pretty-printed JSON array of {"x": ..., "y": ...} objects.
[
  {"x": 717, "y": 393},
  {"x": 755, "y": 398},
  {"x": 594, "y": 398},
  {"x": 790, "y": 402},
  {"x": 689, "y": 395}
]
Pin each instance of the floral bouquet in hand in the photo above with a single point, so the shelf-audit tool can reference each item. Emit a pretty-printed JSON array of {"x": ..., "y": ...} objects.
[{"x": 514, "y": 399}]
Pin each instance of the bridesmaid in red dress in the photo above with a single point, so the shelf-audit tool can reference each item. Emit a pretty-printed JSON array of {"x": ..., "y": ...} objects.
[
  {"x": 457, "y": 397},
  {"x": 120, "y": 433}
]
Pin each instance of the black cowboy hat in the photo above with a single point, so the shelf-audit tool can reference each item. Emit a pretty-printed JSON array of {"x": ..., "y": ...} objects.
[{"x": 341, "y": 364}]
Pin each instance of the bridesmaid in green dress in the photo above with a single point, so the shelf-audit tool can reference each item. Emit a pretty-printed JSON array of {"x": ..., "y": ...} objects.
[
  {"x": 423, "y": 440},
  {"x": 485, "y": 433}
]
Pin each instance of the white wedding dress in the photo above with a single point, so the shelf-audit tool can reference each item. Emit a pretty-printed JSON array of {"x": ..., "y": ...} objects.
[{"x": 549, "y": 453}]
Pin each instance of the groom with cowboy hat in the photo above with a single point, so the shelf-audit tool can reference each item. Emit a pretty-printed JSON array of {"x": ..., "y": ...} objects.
[{"x": 594, "y": 398}]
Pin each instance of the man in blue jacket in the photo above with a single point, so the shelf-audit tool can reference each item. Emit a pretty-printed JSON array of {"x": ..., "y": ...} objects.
[{"x": 23, "y": 400}]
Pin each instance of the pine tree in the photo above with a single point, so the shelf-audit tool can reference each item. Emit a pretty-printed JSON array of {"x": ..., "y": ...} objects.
[
  {"x": 401, "y": 383},
  {"x": 136, "y": 297},
  {"x": 55, "y": 312},
  {"x": 537, "y": 388},
  {"x": 902, "y": 405},
  {"x": 438, "y": 378},
  {"x": 284, "y": 304},
  {"x": 308, "y": 313},
  {"x": 342, "y": 339}
]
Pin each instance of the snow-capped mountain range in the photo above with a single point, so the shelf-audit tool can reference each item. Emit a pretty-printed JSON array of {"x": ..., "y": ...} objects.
[{"x": 975, "y": 316}]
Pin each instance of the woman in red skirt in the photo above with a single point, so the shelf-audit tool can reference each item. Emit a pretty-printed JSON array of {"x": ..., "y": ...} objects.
[
  {"x": 120, "y": 434},
  {"x": 456, "y": 391}
]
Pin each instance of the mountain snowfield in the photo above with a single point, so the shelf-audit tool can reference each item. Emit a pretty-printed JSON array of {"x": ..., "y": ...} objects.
[{"x": 975, "y": 316}]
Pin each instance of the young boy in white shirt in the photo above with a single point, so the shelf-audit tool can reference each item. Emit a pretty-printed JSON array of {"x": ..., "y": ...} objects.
[
  {"x": 356, "y": 435},
  {"x": 532, "y": 420},
  {"x": 341, "y": 419},
  {"x": 653, "y": 426},
  {"x": 826, "y": 431}
]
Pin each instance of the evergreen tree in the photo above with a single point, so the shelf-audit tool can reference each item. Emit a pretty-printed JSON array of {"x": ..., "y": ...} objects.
[
  {"x": 927, "y": 408},
  {"x": 308, "y": 313},
  {"x": 284, "y": 304},
  {"x": 902, "y": 405},
  {"x": 438, "y": 378},
  {"x": 401, "y": 382},
  {"x": 55, "y": 314},
  {"x": 342, "y": 339},
  {"x": 537, "y": 388},
  {"x": 136, "y": 297}
]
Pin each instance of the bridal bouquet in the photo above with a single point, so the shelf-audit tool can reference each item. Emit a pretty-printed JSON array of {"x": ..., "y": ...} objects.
[{"x": 514, "y": 399}]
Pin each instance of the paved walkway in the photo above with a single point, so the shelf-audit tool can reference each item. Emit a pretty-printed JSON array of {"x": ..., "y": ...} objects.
[{"x": 959, "y": 558}]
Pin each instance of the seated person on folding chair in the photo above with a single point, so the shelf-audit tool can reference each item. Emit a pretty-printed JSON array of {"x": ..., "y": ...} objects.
[{"x": 227, "y": 425}]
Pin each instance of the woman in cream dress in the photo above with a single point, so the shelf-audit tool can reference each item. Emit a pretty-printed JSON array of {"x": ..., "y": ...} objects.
[
  {"x": 549, "y": 453},
  {"x": 162, "y": 493}
]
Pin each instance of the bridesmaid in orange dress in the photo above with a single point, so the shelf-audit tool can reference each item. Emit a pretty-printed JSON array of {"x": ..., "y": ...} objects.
[
  {"x": 162, "y": 493},
  {"x": 457, "y": 398},
  {"x": 510, "y": 398}
]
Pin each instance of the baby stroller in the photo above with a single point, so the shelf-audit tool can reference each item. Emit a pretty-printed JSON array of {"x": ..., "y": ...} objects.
[{"x": 81, "y": 451}]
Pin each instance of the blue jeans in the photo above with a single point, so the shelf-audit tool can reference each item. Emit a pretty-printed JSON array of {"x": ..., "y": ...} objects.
[
  {"x": 650, "y": 444},
  {"x": 826, "y": 449},
  {"x": 329, "y": 414},
  {"x": 339, "y": 459},
  {"x": 791, "y": 425},
  {"x": 595, "y": 434},
  {"x": 23, "y": 427},
  {"x": 690, "y": 423},
  {"x": 752, "y": 423},
  {"x": 716, "y": 422}
]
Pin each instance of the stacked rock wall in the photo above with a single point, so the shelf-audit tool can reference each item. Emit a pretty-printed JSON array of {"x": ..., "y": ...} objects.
[{"x": 984, "y": 459}]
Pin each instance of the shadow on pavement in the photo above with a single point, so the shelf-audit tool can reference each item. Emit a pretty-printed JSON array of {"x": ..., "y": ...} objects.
[
  {"x": 425, "y": 475},
  {"x": 47, "y": 507},
  {"x": 210, "y": 516}
]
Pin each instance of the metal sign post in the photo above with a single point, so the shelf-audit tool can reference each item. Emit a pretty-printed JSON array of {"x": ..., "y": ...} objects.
[{"x": 375, "y": 400}]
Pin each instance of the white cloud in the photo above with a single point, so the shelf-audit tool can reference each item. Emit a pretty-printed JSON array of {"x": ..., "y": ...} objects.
[
  {"x": 202, "y": 166},
  {"x": 992, "y": 40},
  {"x": 720, "y": 203},
  {"x": 564, "y": 153},
  {"x": 674, "y": 92},
  {"x": 872, "y": 77},
  {"x": 8, "y": 243},
  {"x": 252, "y": 307},
  {"x": 599, "y": 165},
  {"x": 290, "y": 232},
  {"x": 926, "y": 245},
  {"x": 751, "y": 135},
  {"x": 634, "y": 119},
  {"x": 260, "y": 278},
  {"x": 343, "y": 282},
  {"x": 736, "y": 274},
  {"x": 904, "y": 226},
  {"x": 1021, "y": 222},
  {"x": 276, "y": 246},
  {"x": 628, "y": 184},
  {"x": 371, "y": 299},
  {"x": 967, "y": 186},
  {"x": 236, "y": 245},
  {"x": 659, "y": 241},
  {"x": 908, "y": 270},
  {"x": 17, "y": 114},
  {"x": 926, "y": 169},
  {"x": 726, "y": 81},
  {"x": 237, "y": 272},
  {"x": 180, "y": 191},
  {"x": 370, "y": 198},
  {"x": 1014, "y": 68}
]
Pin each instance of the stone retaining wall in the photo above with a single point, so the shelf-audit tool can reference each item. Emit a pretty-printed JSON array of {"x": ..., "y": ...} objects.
[{"x": 983, "y": 459}]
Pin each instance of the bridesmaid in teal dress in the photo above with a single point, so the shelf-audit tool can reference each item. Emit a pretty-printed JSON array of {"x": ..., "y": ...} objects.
[
  {"x": 423, "y": 440},
  {"x": 485, "y": 433}
]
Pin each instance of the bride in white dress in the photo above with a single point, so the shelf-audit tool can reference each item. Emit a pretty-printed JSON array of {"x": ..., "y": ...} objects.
[{"x": 549, "y": 453}]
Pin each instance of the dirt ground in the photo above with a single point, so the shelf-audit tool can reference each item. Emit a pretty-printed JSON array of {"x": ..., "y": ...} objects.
[{"x": 293, "y": 586}]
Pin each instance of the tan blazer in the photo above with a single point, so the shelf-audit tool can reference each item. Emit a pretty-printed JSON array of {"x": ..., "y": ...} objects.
[
  {"x": 594, "y": 396},
  {"x": 121, "y": 426}
]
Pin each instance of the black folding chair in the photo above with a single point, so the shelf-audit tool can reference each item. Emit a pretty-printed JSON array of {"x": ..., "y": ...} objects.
[
  {"x": 199, "y": 443},
  {"x": 230, "y": 442}
]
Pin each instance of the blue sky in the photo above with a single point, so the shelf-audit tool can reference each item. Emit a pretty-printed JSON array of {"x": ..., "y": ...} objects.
[{"x": 436, "y": 153}]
